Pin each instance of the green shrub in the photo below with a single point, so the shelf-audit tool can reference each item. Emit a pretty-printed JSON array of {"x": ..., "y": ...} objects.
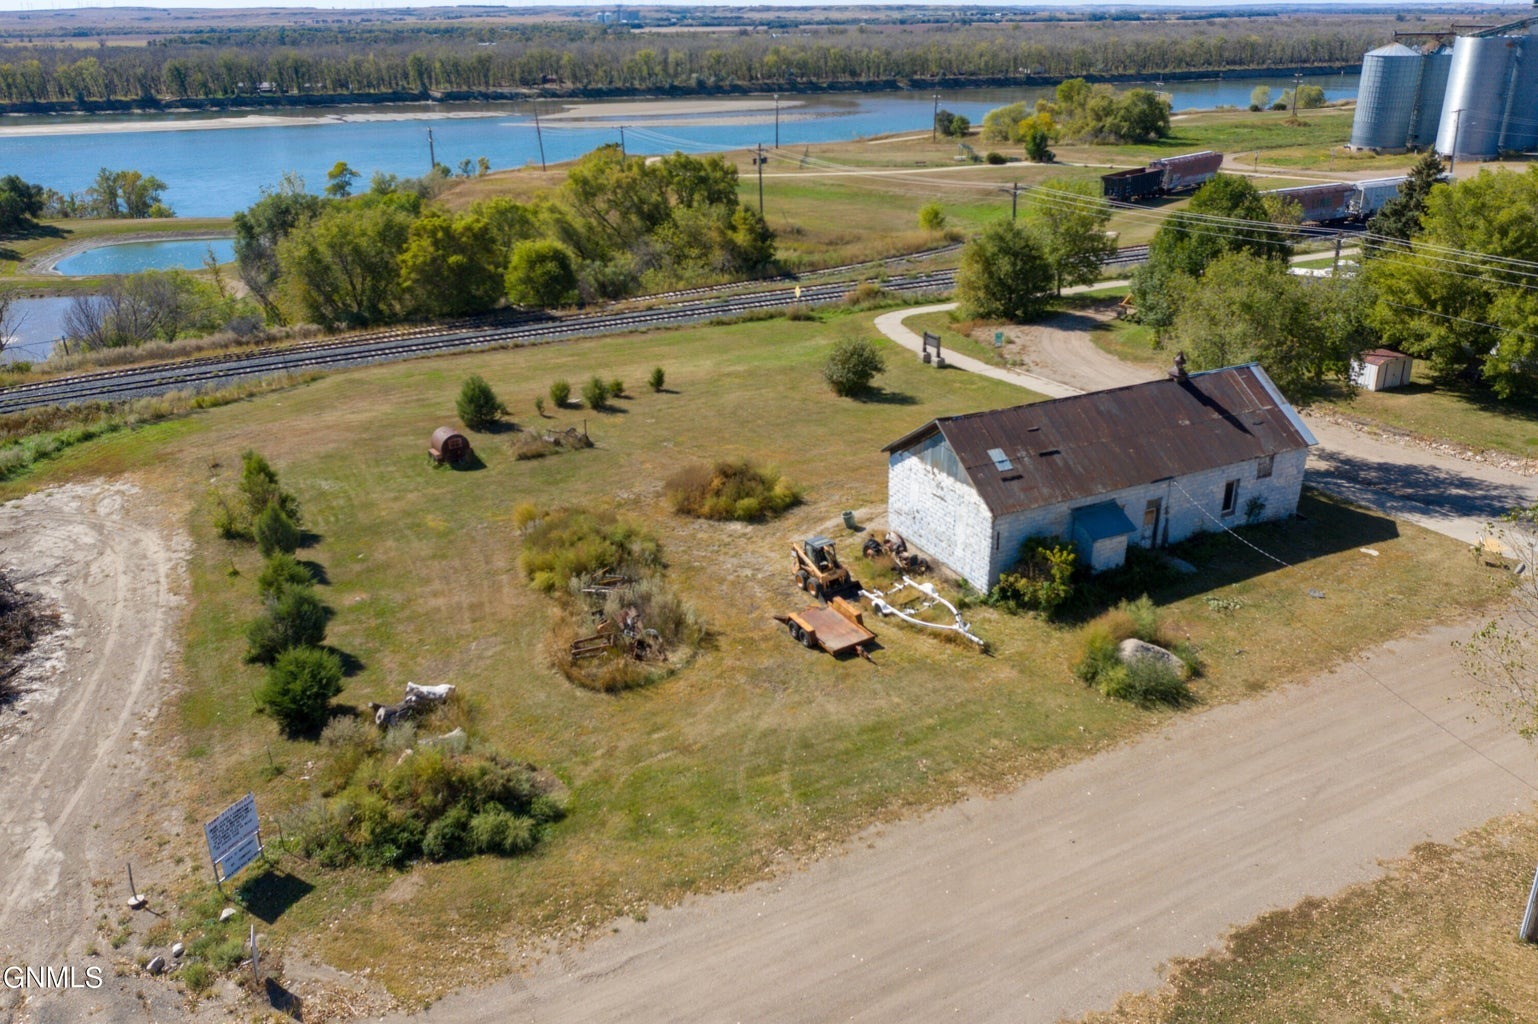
[
  {"x": 390, "y": 810},
  {"x": 299, "y": 687},
  {"x": 539, "y": 405},
  {"x": 560, "y": 393},
  {"x": 851, "y": 366},
  {"x": 932, "y": 216},
  {"x": 1145, "y": 619},
  {"x": 995, "y": 158},
  {"x": 736, "y": 490},
  {"x": 1041, "y": 581},
  {"x": 294, "y": 617},
  {"x": 596, "y": 394},
  {"x": 1146, "y": 682},
  {"x": 259, "y": 485},
  {"x": 616, "y": 388},
  {"x": 275, "y": 532},
  {"x": 570, "y": 543},
  {"x": 478, "y": 405},
  {"x": 1099, "y": 655},
  {"x": 281, "y": 571},
  {"x": 196, "y": 976},
  {"x": 657, "y": 378}
]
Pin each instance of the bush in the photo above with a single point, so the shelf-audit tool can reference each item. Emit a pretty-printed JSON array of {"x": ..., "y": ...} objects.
[
  {"x": 596, "y": 394},
  {"x": 1038, "y": 147},
  {"x": 299, "y": 688},
  {"x": 275, "y": 532},
  {"x": 657, "y": 378},
  {"x": 566, "y": 544},
  {"x": 616, "y": 388},
  {"x": 730, "y": 490},
  {"x": 995, "y": 158},
  {"x": 932, "y": 215},
  {"x": 1145, "y": 682},
  {"x": 259, "y": 485},
  {"x": 1041, "y": 581},
  {"x": 539, "y": 405},
  {"x": 560, "y": 393},
  {"x": 495, "y": 830},
  {"x": 851, "y": 366},
  {"x": 478, "y": 405},
  {"x": 282, "y": 571},
  {"x": 295, "y": 617}
]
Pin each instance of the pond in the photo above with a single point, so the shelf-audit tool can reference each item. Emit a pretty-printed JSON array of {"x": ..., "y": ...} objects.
[
  {"x": 132, "y": 257},
  {"x": 36, "y": 325},
  {"x": 214, "y": 165}
]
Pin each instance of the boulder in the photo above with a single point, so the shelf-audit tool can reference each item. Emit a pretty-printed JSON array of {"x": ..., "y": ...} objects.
[
  {"x": 1132, "y": 649},
  {"x": 157, "y": 965}
]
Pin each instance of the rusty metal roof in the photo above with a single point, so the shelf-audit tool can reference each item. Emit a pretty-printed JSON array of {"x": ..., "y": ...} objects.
[
  {"x": 1379, "y": 356},
  {"x": 1070, "y": 449}
]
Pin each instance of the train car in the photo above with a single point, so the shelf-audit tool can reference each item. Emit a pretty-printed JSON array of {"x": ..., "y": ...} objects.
[
  {"x": 1130, "y": 186},
  {"x": 1189, "y": 170},
  {"x": 1322, "y": 204},
  {"x": 1368, "y": 197}
]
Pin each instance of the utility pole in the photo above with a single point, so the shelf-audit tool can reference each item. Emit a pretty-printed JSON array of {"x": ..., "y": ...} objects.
[
  {"x": 622, "y": 152},
  {"x": 432, "y": 155},
  {"x": 776, "y": 120},
  {"x": 1297, "y": 80},
  {"x": 934, "y": 121},
  {"x": 539, "y": 135},
  {"x": 759, "y": 160},
  {"x": 1014, "y": 200}
]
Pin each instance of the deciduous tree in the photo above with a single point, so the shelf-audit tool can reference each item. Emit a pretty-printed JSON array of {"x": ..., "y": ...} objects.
[
  {"x": 1068, "y": 219},
  {"x": 1004, "y": 275}
]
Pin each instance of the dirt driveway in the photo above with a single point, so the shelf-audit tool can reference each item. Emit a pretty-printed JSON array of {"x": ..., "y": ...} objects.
[{"x": 72, "y": 792}]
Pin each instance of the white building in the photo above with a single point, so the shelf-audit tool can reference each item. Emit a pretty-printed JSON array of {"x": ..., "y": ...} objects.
[
  {"x": 1148, "y": 464},
  {"x": 1381, "y": 369}
]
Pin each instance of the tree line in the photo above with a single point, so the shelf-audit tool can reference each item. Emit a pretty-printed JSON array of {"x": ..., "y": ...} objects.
[
  {"x": 617, "y": 225},
  {"x": 565, "y": 56}
]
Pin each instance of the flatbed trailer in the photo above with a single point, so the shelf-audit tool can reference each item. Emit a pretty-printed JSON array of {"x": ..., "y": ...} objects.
[{"x": 837, "y": 628}]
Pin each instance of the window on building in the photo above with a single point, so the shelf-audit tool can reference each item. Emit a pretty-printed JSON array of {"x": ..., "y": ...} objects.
[
  {"x": 1263, "y": 467},
  {"x": 1230, "y": 497}
]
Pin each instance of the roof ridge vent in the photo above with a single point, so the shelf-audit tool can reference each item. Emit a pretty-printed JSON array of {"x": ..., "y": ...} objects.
[{"x": 1178, "y": 371}]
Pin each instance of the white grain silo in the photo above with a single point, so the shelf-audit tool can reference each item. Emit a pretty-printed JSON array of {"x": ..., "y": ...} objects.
[
  {"x": 1475, "y": 103},
  {"x": 1386, "y": 99}
]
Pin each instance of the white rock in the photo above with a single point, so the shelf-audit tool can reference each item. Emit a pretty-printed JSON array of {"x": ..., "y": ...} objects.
[
  {"x": 1132, "y": 649},
  {"x": 157, "y": 965},
  {"x": 177, "y": 949},
  {"x": 226, "y": 914}
]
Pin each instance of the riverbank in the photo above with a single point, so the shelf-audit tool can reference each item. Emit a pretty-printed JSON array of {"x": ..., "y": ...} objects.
[{"x": 275, "y": 101}]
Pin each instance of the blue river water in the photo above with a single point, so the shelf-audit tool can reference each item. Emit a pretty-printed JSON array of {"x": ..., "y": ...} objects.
[
  {"x": 220, "y": 168},
  {"x": 132, "y": 257}
]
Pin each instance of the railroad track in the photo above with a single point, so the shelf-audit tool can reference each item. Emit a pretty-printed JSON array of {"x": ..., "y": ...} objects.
[{"x": 671, "y": 309}]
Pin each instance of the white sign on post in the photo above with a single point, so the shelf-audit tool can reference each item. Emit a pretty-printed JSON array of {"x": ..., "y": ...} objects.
[{"x": 234, "y": 837}]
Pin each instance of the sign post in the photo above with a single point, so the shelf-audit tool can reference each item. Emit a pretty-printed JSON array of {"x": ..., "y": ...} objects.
[{"x": 234, "y": 838}]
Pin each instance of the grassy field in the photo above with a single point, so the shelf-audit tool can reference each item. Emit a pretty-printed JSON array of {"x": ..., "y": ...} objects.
[
  {"x": 1462, "y": 414},
  {"x": 756, "y": 755},
  {"x": 1433, "y": 940}
]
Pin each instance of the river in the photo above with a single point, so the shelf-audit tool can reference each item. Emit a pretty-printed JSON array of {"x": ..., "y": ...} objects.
[{"x": 213, "y": 166}]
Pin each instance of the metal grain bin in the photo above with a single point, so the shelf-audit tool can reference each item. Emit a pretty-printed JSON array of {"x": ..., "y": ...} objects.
[
  {"x": 1476, "y": 97},
  {"x": 1386, "y": 99},
  {"x": 1519, "y": 123},
  {"x": 1428, "y": 109}
]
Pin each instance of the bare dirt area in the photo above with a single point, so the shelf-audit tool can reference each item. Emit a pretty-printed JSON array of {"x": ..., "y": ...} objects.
[
  {"x": 73, "y": 801},
  {"x": 1059, "y": 347}
]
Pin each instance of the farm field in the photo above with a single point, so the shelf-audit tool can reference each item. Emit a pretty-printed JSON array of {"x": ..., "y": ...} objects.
[{"x": 758, "y": 753}]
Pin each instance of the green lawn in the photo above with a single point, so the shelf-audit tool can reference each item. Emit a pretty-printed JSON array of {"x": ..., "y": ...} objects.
[
  {"x": 1456, "y": 412},
  {"x": 759, "y": 752}
]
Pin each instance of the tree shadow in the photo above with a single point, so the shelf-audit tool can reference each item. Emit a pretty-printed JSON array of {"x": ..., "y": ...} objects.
[
  {"x": 881, "y": 396},
  {"x": 272, "y": 893},
  {"x": 497, "y": 427},
  {"x": 309, "y": 538},
  {"x": 318, "y": 574},
  {"x": 469, "y": 464},
  {"x": 351, "y": 663},
  {"x": 1427, "y": 491}
]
